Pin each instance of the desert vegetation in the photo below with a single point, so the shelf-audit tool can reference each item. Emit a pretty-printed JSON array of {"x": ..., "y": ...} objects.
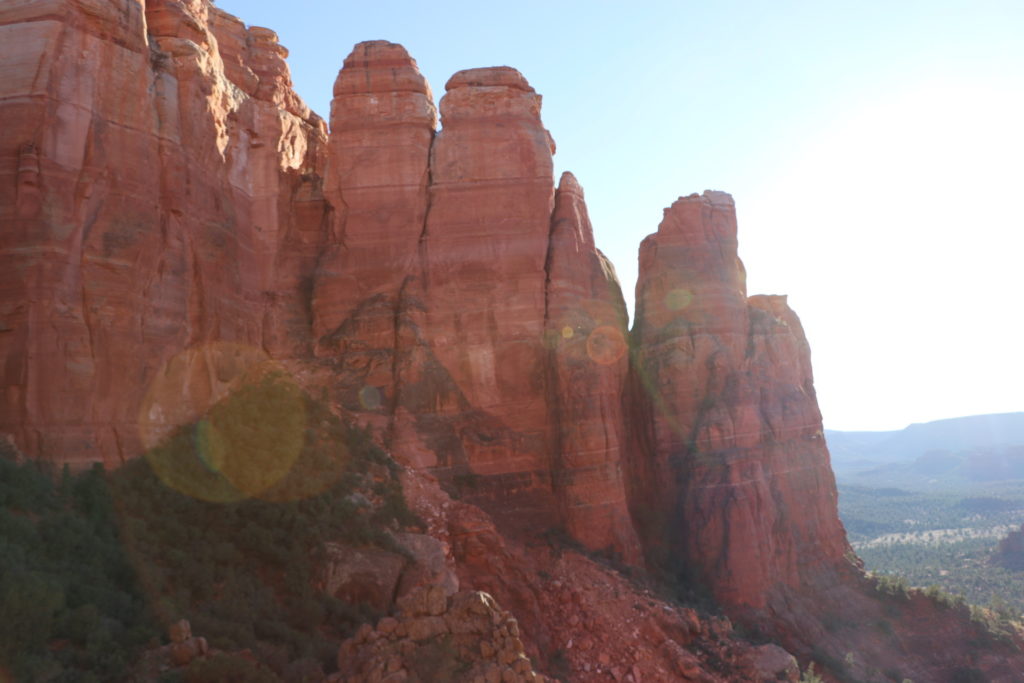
[
  {"x": 944, "y": 540},
  {"x": 94, "y": 565}
]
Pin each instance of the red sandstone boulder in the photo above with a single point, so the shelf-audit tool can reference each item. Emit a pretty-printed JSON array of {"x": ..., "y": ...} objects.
[
  {"x": 367, "y": 576},
  {"x": 469, "y": 638},
  {"x": 432, "y": 564}
]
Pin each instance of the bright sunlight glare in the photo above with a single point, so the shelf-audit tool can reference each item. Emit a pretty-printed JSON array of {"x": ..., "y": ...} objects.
[{"x": 906, "y": 209}]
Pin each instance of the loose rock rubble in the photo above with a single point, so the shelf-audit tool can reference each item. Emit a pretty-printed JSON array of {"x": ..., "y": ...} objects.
[{"x": 465, "y": 638}]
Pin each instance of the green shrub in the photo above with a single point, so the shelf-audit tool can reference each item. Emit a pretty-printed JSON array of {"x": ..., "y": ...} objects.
[
  {"x": 895, "y": 586},
  {"x": 809, "y": 676},
  {"x": 64, "y": 578},
  {"x": 97, "y": 562},
  {"x": 224, "y": 668}
]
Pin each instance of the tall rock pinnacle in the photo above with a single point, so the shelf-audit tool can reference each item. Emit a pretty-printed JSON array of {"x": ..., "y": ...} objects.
[
  {"x": 733, "y": 481},
  {"x": 486, "y": 242},
  {"x": 382, "y": 125},
  {"x": 586, "y": 331}
]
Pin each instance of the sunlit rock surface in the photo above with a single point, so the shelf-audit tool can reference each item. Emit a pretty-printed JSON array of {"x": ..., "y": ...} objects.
[
  {"x": 174, "y": 220},
  {"x": 155, "y": 196}
]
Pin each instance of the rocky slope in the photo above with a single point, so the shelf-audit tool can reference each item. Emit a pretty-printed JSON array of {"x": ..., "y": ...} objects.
[{"x": 171, "y": 214}]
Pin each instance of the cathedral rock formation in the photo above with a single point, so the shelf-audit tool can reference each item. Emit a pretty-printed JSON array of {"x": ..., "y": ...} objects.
[{"x": 171, "y": 213}]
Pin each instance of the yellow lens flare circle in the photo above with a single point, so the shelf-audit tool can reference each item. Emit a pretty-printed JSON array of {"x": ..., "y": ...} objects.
[
  {"x": 606, "y": 345},
  {"x": 369, "y": 398},
  {"x": 678, "y": 299},
  {"x": 222, "y": 422},
  {"x": 567, "y": 332}
]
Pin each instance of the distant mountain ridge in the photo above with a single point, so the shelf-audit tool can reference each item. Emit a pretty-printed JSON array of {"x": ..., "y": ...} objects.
[{"x": 972, "y": 449}]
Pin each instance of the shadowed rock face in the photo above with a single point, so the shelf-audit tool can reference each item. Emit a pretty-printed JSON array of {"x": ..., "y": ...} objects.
[
  {"x": 172, "y": 215},
  {"x": 732, "y": 481},
  {"x": 1010, "y": 552}
]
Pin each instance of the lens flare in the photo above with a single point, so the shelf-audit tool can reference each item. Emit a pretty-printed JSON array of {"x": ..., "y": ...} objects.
[
  {"x": 222, "y": 422},
  {"x": 678, "y": 299},
  {"x": 606, "y": 345},
  {"x": 369, "y": 398},
  {"x": 567, "y": 332}
]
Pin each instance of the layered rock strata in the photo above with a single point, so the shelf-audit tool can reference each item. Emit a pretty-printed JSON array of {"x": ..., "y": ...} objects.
[
  {"x": 433, "y": 297},
  {"x": 173, "y": 216},
  {"x": 184, "y": 213},
  {"x": 733, "y": 481},
  {"x": 382, "y": 126},
  {"x": 156, "y": 195},
  {"x": 588, "y": 345}
]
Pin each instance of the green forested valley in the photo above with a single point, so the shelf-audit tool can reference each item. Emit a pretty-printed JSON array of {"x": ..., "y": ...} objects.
[{"x": 939, "y": 538}]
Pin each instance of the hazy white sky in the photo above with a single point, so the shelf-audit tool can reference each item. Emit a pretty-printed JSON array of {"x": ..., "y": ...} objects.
[{"x": 875, "y": 151}]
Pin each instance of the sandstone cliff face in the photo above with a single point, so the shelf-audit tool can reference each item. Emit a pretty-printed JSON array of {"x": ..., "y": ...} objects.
[
  {"x": 157, "y": 196},
  {"x": 382, "y": 126},
  {"x": 586, "y": 332},
  {"x": 182, "y": 214},
  {"x": 434, "y": 297},
  {"x": 172, "y": 216},
  {"x": 732, "y": 481}
]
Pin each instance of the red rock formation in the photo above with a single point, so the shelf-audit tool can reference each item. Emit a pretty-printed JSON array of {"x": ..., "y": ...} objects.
[
  {"x": 140, "y": 235},
  {"x": 485, "y": 245},
  {"x": 155, "y": 204},
  {"x": 579, "y": 620},
  {"x": 730, "y": 480},
  {"x": 382, "y": 125},
  {"x": 171, "y": 213},
  {"x": 432, "y": 321},
  {"x": 734, "y": 483},
  {"x": 468, "y": 638},
  {"x": 586, "y": 330}
]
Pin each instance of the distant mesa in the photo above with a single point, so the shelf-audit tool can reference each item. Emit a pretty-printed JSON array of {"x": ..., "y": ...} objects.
[{"x": 1010, "y": 552}]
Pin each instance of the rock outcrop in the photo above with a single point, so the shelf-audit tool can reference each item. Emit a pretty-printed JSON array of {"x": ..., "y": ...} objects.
[
  {"x": 173, "y": 218},
  {"x": 578, "y": 620},
  {"x": 732, "y": 480},
  {"x": 466, "y": 638},
  {"x": 156, "y": 195},
  {"x": 434, "y": 299},
  {"x": 1010, "y": 551},
  {"x": 382, "y": 126},
  {"x": 588, "y": 354}
]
